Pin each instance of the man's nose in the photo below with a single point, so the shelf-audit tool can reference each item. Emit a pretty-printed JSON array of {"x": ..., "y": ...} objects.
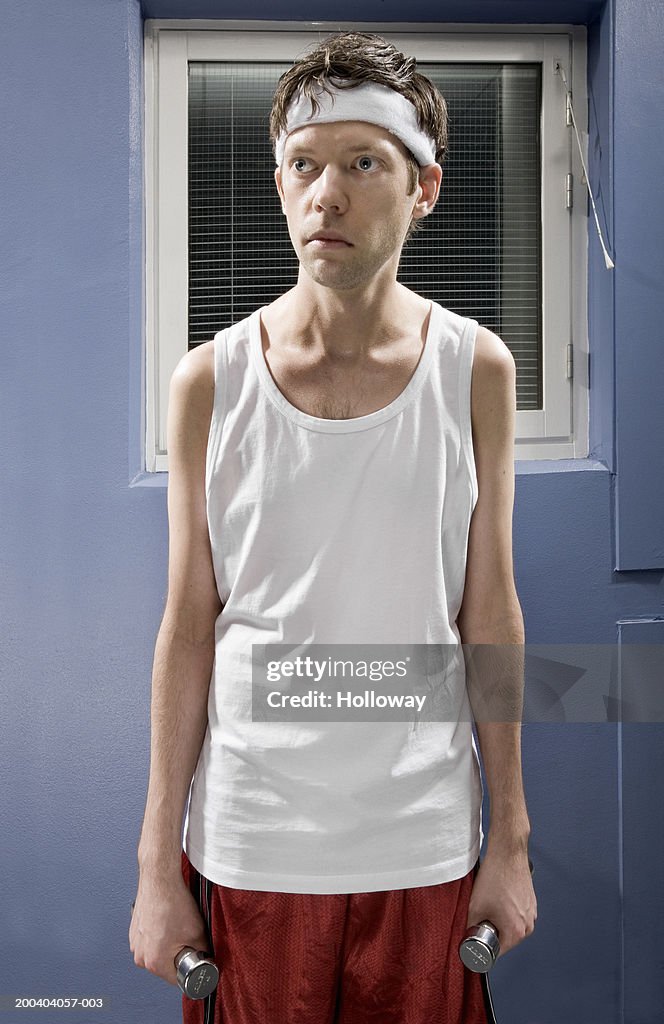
[{"x": 330, "y": 192}]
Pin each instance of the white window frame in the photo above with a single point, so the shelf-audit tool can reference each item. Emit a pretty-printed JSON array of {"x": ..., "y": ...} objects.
[{"x": 560, "y": 429}]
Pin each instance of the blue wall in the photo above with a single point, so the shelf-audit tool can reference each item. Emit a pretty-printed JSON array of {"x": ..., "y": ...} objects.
[{"x": 84, "y": 544}]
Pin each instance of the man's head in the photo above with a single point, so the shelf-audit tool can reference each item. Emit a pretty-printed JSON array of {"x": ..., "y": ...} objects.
[{"x": 357, "y": 77}]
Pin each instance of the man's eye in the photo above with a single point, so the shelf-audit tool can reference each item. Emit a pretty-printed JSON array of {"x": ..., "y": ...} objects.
[
  {"x": 366, "y": 162},
  {"x": 299, "y": 160}
]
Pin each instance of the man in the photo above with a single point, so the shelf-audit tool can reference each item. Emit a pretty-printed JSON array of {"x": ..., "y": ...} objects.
[{"x": 330, "y": 482}]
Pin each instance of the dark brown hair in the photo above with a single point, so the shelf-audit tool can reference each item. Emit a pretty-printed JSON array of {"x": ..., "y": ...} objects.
[{"x": 358, "y": 57}]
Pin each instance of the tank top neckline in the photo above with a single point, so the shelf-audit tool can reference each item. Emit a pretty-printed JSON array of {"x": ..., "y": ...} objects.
[{"x": 340, "y": 426}]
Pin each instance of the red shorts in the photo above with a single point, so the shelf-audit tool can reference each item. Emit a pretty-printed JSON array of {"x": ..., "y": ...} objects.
[{"x": 386, "y": 957}]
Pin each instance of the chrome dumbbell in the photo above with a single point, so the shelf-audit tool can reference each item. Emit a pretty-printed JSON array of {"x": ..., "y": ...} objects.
[
  {"x": 480, "y": 948},
  {"x": 196, "y": 974}
]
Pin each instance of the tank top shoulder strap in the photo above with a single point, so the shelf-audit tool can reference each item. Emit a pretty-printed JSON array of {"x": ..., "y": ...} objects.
[
  {"x": 455, "y": 350},
  {"x": 231, "y": 361},
  {"x": 466, "y": 354},
  {"x": 220, "y": 351}
]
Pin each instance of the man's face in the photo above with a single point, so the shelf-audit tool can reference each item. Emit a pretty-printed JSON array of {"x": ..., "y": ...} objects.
[{"x": 349, "y": 179}]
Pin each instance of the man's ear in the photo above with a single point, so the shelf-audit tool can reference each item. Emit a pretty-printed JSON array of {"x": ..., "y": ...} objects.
[
  {"x": 430, "y": 180},
  {"x": 277, "y": 178}
]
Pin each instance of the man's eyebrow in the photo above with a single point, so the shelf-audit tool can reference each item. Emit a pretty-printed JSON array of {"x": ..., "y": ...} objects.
[
  {"x": 377, "y": 145},
  {"x": 301, "y": 148}
]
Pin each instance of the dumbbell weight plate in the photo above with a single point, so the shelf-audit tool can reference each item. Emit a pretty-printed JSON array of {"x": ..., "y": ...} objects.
[
  {"x": 479, "y": 950},
  {"x": 197, "y": 975}
]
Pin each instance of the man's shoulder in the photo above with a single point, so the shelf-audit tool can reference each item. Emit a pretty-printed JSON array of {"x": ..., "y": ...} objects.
[
  {"x": 193, "y": 377},
  {"x": 493, "y": 386},
  {"x": 196, "y": 368},
  {"x": 492, "y": 358}
]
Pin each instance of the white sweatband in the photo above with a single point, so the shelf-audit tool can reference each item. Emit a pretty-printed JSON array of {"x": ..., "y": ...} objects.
[{"x": 365, "y": 102}]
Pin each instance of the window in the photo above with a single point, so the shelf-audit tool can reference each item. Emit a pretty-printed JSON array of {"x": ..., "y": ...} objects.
[{"x": 503, "y": 245}]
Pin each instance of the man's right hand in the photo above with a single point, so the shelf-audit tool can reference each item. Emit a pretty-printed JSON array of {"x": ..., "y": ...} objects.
[{"x": 165, "y": 918}]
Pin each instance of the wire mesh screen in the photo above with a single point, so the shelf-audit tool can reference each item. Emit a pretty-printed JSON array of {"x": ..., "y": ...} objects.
[{"x": 479, "y": 253}]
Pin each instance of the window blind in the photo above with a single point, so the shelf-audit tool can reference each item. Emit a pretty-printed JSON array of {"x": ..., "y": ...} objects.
[{"x": 479, "y": 253}]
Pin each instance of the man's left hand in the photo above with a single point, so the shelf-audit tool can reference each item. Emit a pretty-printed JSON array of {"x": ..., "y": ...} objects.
[{"x": 503, "y": 894}]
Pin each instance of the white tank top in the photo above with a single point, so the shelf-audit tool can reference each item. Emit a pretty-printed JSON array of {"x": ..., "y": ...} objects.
[{"x": 336, "y": 531}]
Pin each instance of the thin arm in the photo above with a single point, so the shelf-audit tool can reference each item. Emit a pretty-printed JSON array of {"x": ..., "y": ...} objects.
[
  {"x": 490, "y": 614},
  {"x": 184, "y": 650}
]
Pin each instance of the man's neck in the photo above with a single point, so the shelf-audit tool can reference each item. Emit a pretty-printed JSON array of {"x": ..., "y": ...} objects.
[{"x": 347, "y": 325}]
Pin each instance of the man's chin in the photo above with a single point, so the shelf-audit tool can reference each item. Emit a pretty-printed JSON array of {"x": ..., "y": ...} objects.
[
  {"x": 336, "y": 281},
  {"x": 341, "y": 277}
]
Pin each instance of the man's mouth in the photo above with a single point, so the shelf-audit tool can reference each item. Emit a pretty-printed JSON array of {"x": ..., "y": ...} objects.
[{"x": 329, "y": 240}]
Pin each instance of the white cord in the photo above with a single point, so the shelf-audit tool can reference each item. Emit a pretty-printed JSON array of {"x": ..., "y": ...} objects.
[{"x": 607, "y": 259}]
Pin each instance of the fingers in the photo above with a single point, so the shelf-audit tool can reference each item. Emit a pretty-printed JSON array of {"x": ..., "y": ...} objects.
[
  {"x": 503, "y": 893},
  {"x": 160, "y": 967},
  {"x": 159, "y": 931},
  {"x": 514, "y": 932},
  {"x": 511, "y": 938},
  {"x": 512, "y": 925}
]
